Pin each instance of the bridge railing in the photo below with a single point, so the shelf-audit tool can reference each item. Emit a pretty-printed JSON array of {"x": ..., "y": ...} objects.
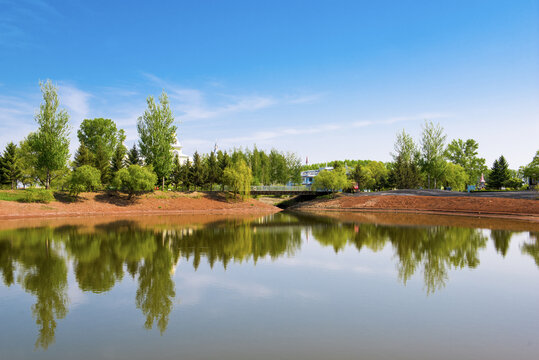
[{"x": 297, "y": 188}]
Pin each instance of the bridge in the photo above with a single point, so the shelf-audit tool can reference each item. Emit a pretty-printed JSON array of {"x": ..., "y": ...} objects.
[{"x": 285, "y": 190}]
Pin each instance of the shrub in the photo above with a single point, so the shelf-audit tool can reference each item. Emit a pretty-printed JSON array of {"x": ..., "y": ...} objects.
[
  {"x": 135, "y": 179},
  {"x": 37, "y": 196},
  {"x": 333, "y": 181},
  {"x": 84, "y": 178},
  {"x": 513, "y": 183}
]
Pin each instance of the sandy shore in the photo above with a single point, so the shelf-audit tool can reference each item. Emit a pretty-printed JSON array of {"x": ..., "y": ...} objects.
[
  {"x": 93, "y": 204},
  {"x": 475, "y": 206}
]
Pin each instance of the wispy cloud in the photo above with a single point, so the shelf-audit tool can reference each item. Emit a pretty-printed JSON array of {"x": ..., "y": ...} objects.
[
  {"x": 15, "y": 113},
  {"x": 15, "y": 17},
  {"x": 192, "y": 104},
  {"x": 75, "y": 99},
  {"x": 261, "y": 136}
]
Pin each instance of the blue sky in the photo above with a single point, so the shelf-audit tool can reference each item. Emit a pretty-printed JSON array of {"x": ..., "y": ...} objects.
[{"x": 325, "y": 79}]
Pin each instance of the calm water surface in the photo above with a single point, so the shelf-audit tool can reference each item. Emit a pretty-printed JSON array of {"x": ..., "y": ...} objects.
[{"x": 285, "y": 286}]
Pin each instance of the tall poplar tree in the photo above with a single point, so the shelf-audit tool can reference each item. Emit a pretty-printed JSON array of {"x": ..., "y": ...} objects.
[
  {"x": 157, "y": 132},
  {"x": 51, "y": 141},
  {"x": 432, "y": 152}
]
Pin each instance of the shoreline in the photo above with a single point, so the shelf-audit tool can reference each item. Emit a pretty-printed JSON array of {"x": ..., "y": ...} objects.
[
  {"x": 477, "y": 207},
  {"x": 160, "y": 203}
]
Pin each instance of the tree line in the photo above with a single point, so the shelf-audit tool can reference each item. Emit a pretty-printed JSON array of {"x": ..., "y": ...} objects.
[
  {"x": 428, "y": 164},
  {"x": 102, "y": 160}
]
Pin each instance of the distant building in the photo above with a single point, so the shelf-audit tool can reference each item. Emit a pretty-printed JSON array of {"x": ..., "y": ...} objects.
[
  {"x": 307, "y": 177},
  {"x": 177, "y": 150}
]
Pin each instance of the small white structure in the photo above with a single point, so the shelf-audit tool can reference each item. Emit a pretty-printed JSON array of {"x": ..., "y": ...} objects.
[{"x": 177, "y": 150}]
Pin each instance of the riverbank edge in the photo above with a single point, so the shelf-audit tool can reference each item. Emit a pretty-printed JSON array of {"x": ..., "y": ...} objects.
[
  {"x": 510, "y": 216},
  {"x": 462, "y": 206},
  {"x": 102, "y": 204}
]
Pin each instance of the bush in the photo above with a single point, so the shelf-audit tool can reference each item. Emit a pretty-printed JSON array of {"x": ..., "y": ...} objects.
[
  {"x": 333, "y": 181},
  {"x": 37, "y": 196},
  {"x": 84, "y": 178},
  {"x": 513, "y": 183},
  {"x": 135, "y": 179}
]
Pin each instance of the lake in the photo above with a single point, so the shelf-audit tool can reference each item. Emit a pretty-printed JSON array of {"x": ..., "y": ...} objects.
[{"x": 284, "y": 286}]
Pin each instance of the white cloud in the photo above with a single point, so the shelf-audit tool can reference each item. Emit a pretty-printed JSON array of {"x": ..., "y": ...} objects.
[
  {"x": 75, "y": 100},
  {"x": 192, "y": 104},
  {"x": 261, "y": 136}
]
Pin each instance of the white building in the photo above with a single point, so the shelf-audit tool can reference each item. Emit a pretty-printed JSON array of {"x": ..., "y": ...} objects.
[{"x": 177, "y": 150}]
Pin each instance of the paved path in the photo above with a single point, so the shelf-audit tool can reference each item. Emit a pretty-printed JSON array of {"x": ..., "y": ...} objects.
[{"x": 527, "y": 195}]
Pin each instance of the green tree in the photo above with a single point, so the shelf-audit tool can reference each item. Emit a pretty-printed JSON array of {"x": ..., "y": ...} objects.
[
  {"x": 464, "y": 153},
  {"x": 84, "y": 178},
  {"x": 278, "y": 168},
  {"x": 293, "y": 166},
  {"x": 531, "y": 171},
  {"x": 100, "y": 135},
  {"x": 51, "y": 141},
  {"x": 133, "y": 157},
  {"x": 331, "y": 180},
  {"x": 238, "y": 177},
  {"x": 198, "y": 171},
  {"x": 157, "y": 132},
  {"x": 102, "y": 163},
  {"x": 176, "y": 175},
  {"x": 186, "y": 175},
  {"x": 223, "y": 161},
  {"x": 10, "y": 170},
  {"x": 432, "y": 152},
  {"x": 118, "y": 158},
  {"x": 455, "y": 177},
  {"x": 362, "y": 177},
  {"x": 405, "y": 174},
  {"x": 135, "y": 179},
  {"x": 379, "y": 174},
  {"x": 28, "y": 162},
  {"x": 499, "y": 173},
  {"x": 212, "y": 168},
  {"x": 405, "y": 148},
  {"x": 83, "y": 156}
]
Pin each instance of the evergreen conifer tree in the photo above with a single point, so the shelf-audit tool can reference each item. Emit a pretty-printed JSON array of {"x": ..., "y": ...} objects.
[
  {"x": 83, "y": 156},
  {"x": 133, "y": 157},
  {"x": 499, "y": 173},
  {"x": 9, "y": 166},
  {"x": 212, "y": 170},
  {"x": 198, "y": 170}
]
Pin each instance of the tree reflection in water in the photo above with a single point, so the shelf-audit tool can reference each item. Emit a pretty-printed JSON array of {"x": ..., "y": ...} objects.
[{"x": 36, "y": 258}]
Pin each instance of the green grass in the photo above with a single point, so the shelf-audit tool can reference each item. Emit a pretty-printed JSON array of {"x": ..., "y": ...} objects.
[
  {"x": 12, "y": 196},
  {"x": 28, "y": 195}
]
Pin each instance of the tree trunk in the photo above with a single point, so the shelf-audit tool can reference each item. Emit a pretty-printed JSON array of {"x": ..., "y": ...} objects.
[
  {"x": 163, "y": 189},
  {"x": 48, "y": 181}
]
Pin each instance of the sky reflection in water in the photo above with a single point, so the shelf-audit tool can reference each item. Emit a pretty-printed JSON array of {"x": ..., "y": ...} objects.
[{"x": 286, "y": 285}]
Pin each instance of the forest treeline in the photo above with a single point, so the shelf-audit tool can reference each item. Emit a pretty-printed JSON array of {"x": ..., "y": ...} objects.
[{"x": 102, "y": 161}]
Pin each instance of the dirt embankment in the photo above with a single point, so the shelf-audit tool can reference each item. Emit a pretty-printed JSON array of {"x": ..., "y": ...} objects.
[
  {"x": 90, "y": 204},
  {"x": 491, "y": 206}
]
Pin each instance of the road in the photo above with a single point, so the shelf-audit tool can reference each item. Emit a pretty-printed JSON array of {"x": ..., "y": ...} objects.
[{"x": 526, "y": 195}]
